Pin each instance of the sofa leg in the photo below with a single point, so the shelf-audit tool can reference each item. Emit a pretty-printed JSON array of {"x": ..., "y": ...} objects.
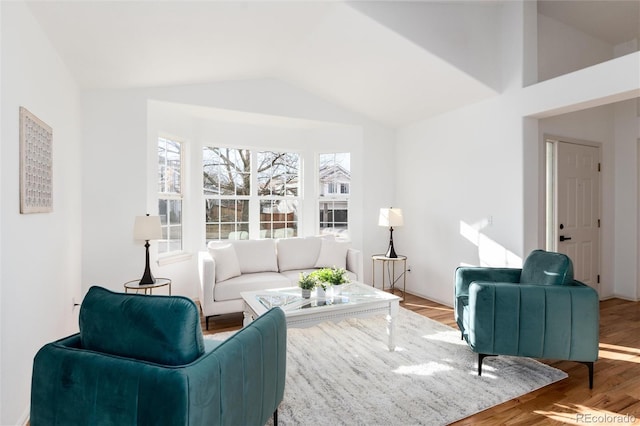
[
  {"x": 590, "y": 367},
  {"x": 275, "y": 418},
  {"x": 206, "y": 320}
]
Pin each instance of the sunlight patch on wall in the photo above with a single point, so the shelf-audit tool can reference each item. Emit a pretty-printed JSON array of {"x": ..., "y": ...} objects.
[{"x": 490, "y": 252}]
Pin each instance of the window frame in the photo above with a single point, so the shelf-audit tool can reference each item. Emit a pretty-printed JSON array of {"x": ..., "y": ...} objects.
[
  {"x": 172, "y": 197},
  {"x": 254, "y": 199},
  {"x": 331, "y": 192}
]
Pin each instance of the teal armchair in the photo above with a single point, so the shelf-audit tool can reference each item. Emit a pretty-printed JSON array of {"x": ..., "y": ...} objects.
[
  {"x": 538, "y": 311},
  {"x": 142, "y": 360}
]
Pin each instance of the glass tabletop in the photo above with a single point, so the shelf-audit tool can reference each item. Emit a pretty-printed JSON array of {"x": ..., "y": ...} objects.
[{"x": 290, "y": 299}]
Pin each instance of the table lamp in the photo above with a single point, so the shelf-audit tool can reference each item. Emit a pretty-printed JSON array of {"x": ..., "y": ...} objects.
[
  {"x": 147, "y": 228},
  {"x": 390, "y": 217}
]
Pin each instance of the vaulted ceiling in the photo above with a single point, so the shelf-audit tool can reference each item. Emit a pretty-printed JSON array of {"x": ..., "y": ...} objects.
[{"x": 395, "y": 62}]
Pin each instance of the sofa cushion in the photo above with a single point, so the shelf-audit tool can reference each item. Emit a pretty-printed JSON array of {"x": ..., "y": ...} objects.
[
  {"x": 161, "y": 329},
  {"x": 543, "y": 267},
  {"x": 231, "y": 289},
  {"x": 298, "y": 253},
  {"x": 227, "y": 265},
  {"x": 333, "y": 253}
]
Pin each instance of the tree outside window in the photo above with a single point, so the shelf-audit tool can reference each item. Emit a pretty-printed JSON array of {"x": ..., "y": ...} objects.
[
  {"x": 227, "y": 188},
  {"x": 227, "y": 177}
]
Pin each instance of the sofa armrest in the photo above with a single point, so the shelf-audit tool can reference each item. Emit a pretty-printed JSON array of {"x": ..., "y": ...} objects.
[
  {"x": 354, "y": 263},
  {"x": 539, "y": 321},
  {"x": 207, "y": 275}
]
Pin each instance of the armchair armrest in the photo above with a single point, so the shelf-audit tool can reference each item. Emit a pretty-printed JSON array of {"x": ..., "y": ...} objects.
[
  {"x": 539, "y": 321},
  {"x": 465, "y": 275},
  {"x": 354, "y": 262},
  {"x": 245, "y": 375}
]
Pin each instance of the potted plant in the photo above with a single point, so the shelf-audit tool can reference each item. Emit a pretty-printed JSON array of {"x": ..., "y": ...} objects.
[
  {"x": 307, "y": 282},
  {"x": 334, "y": 277}
]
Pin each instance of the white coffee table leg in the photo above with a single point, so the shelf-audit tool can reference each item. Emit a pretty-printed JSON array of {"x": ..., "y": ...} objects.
[
  {"x": 391, "y": 320},
  {"x": 248, "y": 315}
]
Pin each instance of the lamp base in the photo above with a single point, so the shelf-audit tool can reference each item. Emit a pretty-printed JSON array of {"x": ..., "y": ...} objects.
[
  {"x": 391, "y": 252},
  {"x": 147, "y": 277}
]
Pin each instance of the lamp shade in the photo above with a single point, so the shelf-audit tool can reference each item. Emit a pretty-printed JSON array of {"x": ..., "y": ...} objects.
[
  {"x": 147, "y": 228},
  {"x": 390, "y": 217}
]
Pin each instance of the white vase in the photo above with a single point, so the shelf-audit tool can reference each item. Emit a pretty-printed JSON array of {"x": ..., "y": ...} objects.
[
  {"x": 337, "y": 290},
  {"x": 306, "y": 293},
  {"x": 321, "y": 293}
]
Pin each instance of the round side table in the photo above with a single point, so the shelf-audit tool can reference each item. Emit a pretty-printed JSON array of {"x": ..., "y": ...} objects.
[
  {"x": 135, "y": 285},
  {"x": 390, "y": 264}
]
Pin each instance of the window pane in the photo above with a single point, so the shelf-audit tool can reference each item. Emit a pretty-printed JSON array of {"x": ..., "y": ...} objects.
[
  {"x": 278, "y": 173},
  {"x": 171, "y": 223},
  {"x": 169, "y": 166},
  {"x": 335, "y": 174},
  {"x": 278, "y": 218},
  {"x": 226, "y": 219},
  {"x": 169, "y": 198},
  {"x": 335, "y": 186},
  {"x": 334, "y": 217},
  {"x": 226, "y": 171}
]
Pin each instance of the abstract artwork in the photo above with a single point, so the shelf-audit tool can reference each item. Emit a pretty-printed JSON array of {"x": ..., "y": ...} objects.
[{"x": 36, "y": 164}]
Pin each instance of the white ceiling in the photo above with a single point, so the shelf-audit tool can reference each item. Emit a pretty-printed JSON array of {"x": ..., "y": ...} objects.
[{"x": 327, "y": 48}]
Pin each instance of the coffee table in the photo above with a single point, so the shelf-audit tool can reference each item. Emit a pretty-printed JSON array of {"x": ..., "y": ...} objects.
[{"x": 356, "y": 300}]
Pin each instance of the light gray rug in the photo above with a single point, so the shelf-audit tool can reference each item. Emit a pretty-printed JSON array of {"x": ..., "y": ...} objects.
[{"x": 343, "y": 374}]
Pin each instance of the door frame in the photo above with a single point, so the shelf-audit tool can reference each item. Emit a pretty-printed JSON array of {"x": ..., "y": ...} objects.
[{"x": 550, "y": 150}]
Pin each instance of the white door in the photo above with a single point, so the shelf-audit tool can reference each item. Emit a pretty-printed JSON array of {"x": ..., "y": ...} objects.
[{"x": 578, "y": 209}]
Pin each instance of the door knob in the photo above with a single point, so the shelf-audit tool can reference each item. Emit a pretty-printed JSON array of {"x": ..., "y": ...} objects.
[{"x": 563, "y": 238}]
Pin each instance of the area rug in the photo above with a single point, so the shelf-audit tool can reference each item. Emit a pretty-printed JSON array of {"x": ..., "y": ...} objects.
[{"x": 343, "y": 374}]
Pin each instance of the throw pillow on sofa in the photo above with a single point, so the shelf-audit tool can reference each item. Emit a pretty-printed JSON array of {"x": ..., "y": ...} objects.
[
  {"x": 298, "y": 253},
  {"x": 256, "y": 255},
  {"x": 333, "y": 253},
  {"x": 227, "y": 265}
]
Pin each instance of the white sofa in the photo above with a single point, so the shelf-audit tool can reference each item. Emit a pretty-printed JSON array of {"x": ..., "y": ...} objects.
[{"x": 230, "y": 267}]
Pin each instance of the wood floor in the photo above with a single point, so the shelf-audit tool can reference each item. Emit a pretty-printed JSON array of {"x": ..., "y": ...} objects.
[{"x": 616, "y": 389}]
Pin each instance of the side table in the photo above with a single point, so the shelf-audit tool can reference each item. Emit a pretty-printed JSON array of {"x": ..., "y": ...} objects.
[
  {"x": 390, "y": 264},
  {"x": 135, "y": 285}
]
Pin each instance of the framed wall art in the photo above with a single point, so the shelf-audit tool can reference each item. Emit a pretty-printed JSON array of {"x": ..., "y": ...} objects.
[{"x": 36, "y": 164}]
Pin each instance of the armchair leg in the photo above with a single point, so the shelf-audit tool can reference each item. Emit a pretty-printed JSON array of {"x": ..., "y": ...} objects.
[
  {"x": 590, "y": 367},
  {"x": 275, "y": 418},
  {"x": 481, "y": 357}
]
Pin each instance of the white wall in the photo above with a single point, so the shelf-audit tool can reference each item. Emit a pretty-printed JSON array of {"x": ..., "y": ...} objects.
[
  {"x": 460, "y": 179},
  {"x": 461, "y": 186},
  {"x": 563, "y": 49},
  {"x": 626, "y": 135},
  {"x": 119, "y": 148},
  {"x": 40, "y": 252}
]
